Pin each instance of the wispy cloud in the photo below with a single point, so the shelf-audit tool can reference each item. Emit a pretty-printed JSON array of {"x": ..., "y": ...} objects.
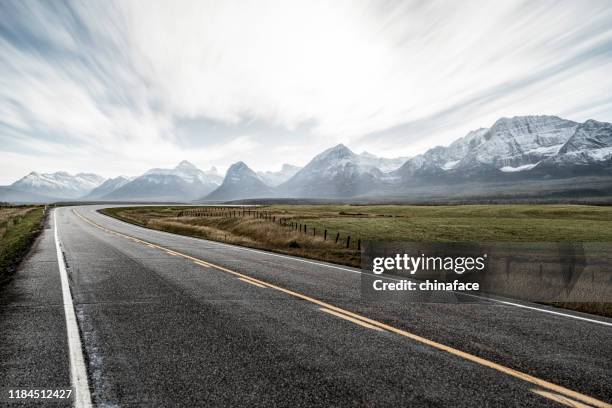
[{"x": 116, "y": 87}]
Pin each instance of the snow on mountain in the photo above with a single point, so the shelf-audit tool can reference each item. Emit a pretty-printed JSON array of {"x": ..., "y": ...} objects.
[
  {"x": 512, "y": 145},
  {"x": 592, "y": 142},
  {"x": 189, "y": 173},
  {"x": 60, "y": 184},
  {"x": 274, "y": 178},
  {"x": 510, "y": 169},
  {"x": 336, "y": 172},
  {"x": 108, "y": 187},
  {"x": 518, "y": 141},
  {"x": 383, "y": 164},
  {"x": 240, "y": 182},
  {"x": 185, "y": 182}
]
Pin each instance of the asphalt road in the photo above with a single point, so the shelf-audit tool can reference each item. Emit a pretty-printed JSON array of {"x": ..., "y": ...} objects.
[{"x": 166, "y": 320}]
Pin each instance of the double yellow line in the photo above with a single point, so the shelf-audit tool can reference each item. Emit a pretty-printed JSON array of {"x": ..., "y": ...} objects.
[{"x": 554, "y": 392}]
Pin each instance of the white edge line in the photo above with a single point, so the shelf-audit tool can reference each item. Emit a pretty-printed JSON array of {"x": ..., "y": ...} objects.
[
  {"x": 78, "y": 373},
  {"x": 239, "y": 248}
]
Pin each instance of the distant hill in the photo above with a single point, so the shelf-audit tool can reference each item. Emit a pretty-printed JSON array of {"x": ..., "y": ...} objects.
[
  {"x": 108, "y": 187},
  {"x": 240, "y": 182},
  {"x": 336, "y": 172},
  {"x": 60, "y": 184},
  {"x": 183, "y": 183}
]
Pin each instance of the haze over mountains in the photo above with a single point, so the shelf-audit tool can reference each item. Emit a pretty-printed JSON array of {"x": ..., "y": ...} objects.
[{"x": 539, "y": 151}]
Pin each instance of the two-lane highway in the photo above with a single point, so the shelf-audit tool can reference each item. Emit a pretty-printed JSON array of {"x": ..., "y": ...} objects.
[{"x": 167, "y": 320}]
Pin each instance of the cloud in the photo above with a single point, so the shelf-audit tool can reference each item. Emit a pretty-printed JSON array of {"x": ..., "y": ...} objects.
[{"x": 123, "y": 86}]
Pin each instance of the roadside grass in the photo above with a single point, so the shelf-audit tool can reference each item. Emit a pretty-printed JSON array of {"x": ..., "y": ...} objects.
[
  {"x": 245, "y": 231},
  {"x": 460, "y": 223},
  {"x": 19, "y": 227}
]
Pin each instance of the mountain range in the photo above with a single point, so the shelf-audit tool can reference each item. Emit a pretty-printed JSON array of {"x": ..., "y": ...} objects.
[{"x": 539, "y": 151}]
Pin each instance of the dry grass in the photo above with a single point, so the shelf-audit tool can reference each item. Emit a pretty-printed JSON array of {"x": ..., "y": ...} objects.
[
  {"x": 245, "y": 231},
  {"x": 19, "y": 226},
  {"x": 9, "y": 216}
]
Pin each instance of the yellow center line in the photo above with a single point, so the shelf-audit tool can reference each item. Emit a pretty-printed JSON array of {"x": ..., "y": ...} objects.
[
  {"x": 456, "y": 352},
  {"x": 561, "y": 399},
  {"x": 350, "y": 319},
  {"x": 252, "y": 282}
]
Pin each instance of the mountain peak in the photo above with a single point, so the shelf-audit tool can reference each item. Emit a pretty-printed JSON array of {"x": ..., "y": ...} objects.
[
  {"x": 529, "y": 120},
  {"x": 240, "y": 182},
  {"x": 340, "y": 147},
  {"x": 239, "y": 170},
  {"x": 185, "y": 165},
  {"x": 240, "y": 165},
  {"x": 339, "y": 151}
]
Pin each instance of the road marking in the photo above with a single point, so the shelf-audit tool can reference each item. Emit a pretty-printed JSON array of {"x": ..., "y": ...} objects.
[
  {"x": 553, "y": 312},
  {"x": 350, "y": 319},
  {"x": 456, "y": 352},
  {"x": 252, "y": 282},
  {"x": 560, "y": 399},
  {"x": 504, "y": 302},
  {"x": 78, "y": 372}
]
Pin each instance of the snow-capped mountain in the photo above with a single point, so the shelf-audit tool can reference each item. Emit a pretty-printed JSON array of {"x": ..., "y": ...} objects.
[
  {"x": 512, "y": 146},
  {"x": 240, "y": 182},
  {"x": 519, "y": 142},
  {"x": 274, "y": 178},
  {"x": 189, "y": 173},
  {"x": 60, "y": 184},
  {"x": 185, "y": 182},
  {"x": 108, "y": 187},
  {"x": 591, "y": 143},
  {"x": 337, "y": 172},
  {"x": 513, "y": 151}
]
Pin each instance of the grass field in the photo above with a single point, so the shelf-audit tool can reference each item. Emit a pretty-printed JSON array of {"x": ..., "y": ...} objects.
[
  {"x": 280, "y": 228},
  {"x": 19, "y": 226}
]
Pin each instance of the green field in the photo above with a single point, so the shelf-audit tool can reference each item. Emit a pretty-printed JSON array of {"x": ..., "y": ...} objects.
[
  {"x": 19, "y": 226},
  {"x": 489, "y": 223}
]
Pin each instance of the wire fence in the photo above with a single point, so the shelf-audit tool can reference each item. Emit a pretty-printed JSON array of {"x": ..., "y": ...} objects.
[{"x": 294, "y": 224}]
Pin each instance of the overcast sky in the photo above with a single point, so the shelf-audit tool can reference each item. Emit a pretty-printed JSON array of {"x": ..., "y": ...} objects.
[{"x": 117, "y": 88}]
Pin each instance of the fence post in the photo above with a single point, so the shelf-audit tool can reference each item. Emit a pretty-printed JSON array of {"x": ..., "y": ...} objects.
[
  {"x": 348, "y": 241},
  {"x": 314, "y": 232},
  {"x": 359, "y": 244},
  {"x": 325, "y": 235},
  {"x": 337, "y": 237}
]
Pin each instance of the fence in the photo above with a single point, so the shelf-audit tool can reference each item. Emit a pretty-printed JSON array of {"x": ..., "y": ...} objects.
[{"x": 294, "y": 225}]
